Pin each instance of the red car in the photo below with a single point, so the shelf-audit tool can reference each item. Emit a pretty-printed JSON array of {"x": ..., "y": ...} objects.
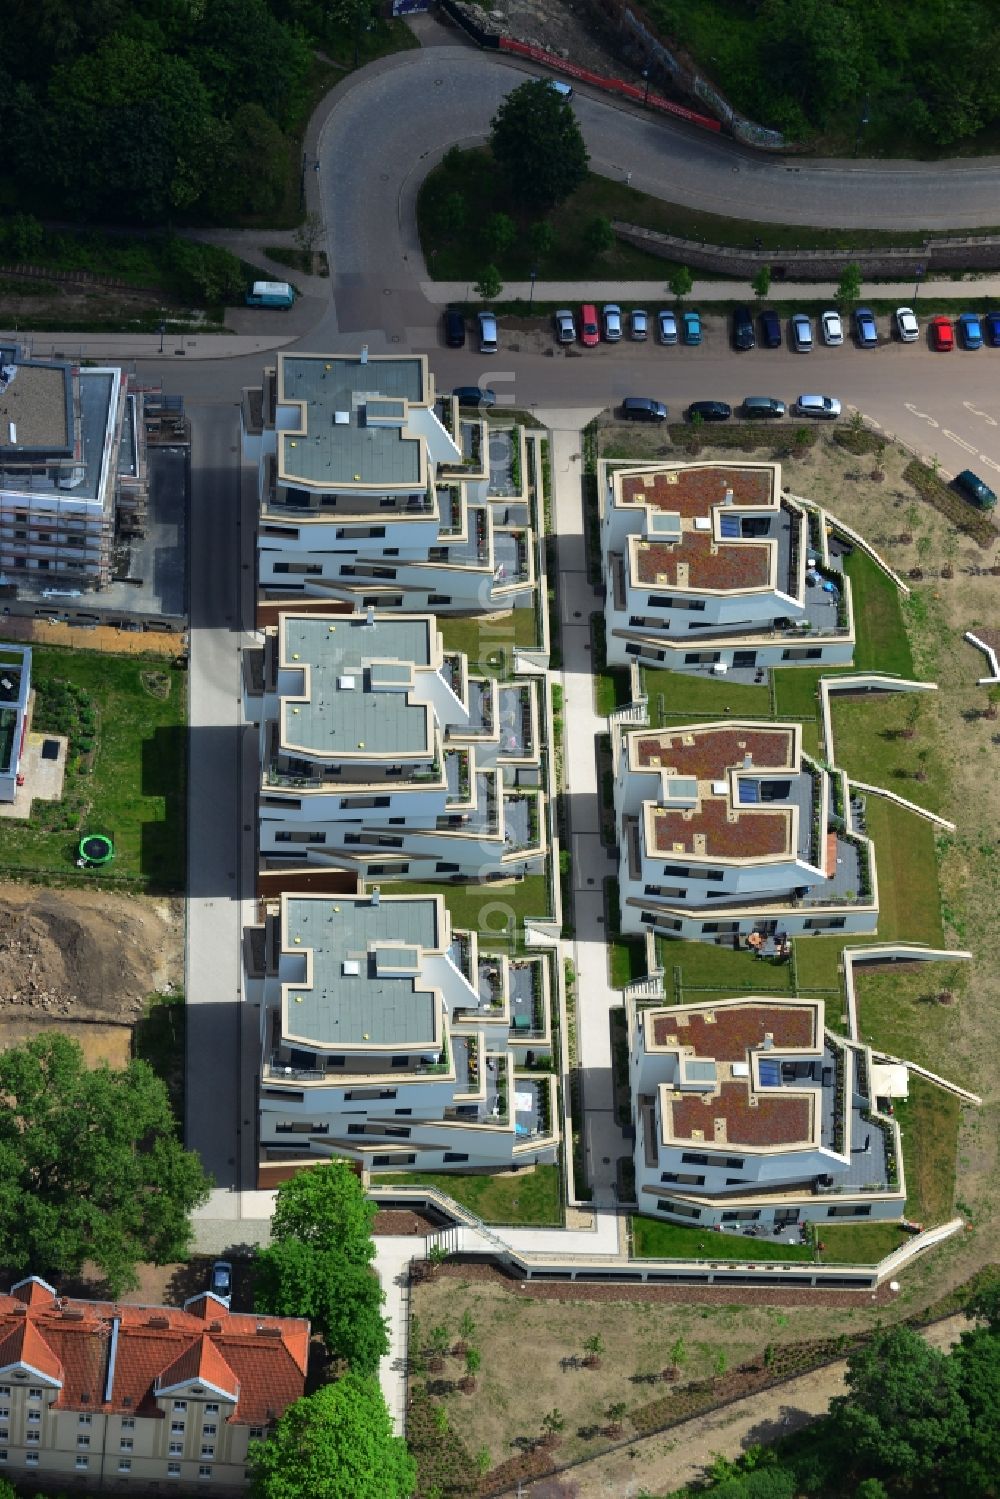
[
  {"x": 942, "y": 333},
  {"x": 590, "y": 332}
]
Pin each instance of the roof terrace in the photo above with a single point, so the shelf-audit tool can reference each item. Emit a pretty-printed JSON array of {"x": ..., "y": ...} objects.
[{"x": 352, "y": 427}]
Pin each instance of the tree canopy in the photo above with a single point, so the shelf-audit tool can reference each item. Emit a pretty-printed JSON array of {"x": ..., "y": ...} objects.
[
  {"x": 537, "y": 144},
  {"x": 343, "y": 1301},
  {"x": 326, "y": 1205},
  {"x": 90, "y": 1165},
  {"x": 335, "y": 1444}
]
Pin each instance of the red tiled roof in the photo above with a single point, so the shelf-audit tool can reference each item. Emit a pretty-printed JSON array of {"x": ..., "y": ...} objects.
[
  {"x": 696, "y": 490},
  {"x": 771, "y": 1120},
  {"x": 728, "y": 1032},
  {"x": 715, "y": 750},
  {"x": 262, "y": 1358},
  {"x": 748, "y": 835},
  {"x": 710, "y": 563}
]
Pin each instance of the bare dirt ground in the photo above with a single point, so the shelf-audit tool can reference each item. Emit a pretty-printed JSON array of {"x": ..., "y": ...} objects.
[
  {"x": 561, "y": 27},
  {"x": 66, "y": 304},
  {"x": 84, "y": 962}
]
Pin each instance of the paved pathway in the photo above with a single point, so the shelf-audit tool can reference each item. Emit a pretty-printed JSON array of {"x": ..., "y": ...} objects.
[
  {"x": 392, "y": 1262},
  {"x": 975, "y": 289}
]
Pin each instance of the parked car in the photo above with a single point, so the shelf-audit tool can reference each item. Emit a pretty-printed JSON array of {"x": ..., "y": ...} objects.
[
  {"x": 770, "y": 329},
  {"x": 762, "y": 406},
  {"x": 488, "y": 343},
  {"x": 802, "y": 333},
  {"x": 454, "y": 328},
  {"x": 971, "y": 330},
  {"x": 590, "y": 332},
  {"x": 221, "y": 1283},
  {"x": 942, "y": 333},
  {"x": 692, "y": 328},
  {"x": 906, "y": 325},
  {"x": 638, "y": 323},
  {"x": 975, "y": 489},
  {"x": 992, "y": 326},
  {"x": 475, "y": 395},
  {"x": 643, "y": 409},
  {"x": 833, "y": 329},
  {"x": 612, "y": 322},
  {"x": 743, "y": 336},
  {"x": 666, "y": 327},
  {"x": 710, "y": 411},
  {"x": 565, "y": 326},
  {"x": 864, "y": 328},
  {"x": 822, "y": 406},
  {"x": 564, "y": 90}
]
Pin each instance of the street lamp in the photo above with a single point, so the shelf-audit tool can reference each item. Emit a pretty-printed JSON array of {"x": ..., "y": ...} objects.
[
  {"x": 531, "y": 299},
  {"x": 918, "y": 272},
  {"x": 865, "y": 117},
  {"x": 645, "y": 79},
  {"x": 162, "y": 330}
]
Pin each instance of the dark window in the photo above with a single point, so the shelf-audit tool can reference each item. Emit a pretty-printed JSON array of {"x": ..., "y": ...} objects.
[
  {"x": 401, "y": 1061},
  {"x": 802, "y": 653},
  {"x": 402, "y": 1111},
  {"x": 686, "y": 1179},
  {"x": 734, "y": 1162},
  {"x": 439, "y": 598},
  {"x": 826, "y": 924},
  {"x": 701, "y": 658},
  {"x": 694, "y": 1158},
  {"x": 679, "y": 1209},
  {"x": 742, "y": 1215},
  {"x": 850, "y": 1212},
  {"x": 454, "y": 1155},
  {"x": 393, "y": 1160},
  {"x": 397, "y": 1131},
  {"x": 447, "y": 868}
]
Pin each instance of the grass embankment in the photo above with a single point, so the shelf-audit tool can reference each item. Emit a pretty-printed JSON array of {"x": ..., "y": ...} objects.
[
  {"x": 126, "y": 772},
  {"x": 530, "y": 1197}
]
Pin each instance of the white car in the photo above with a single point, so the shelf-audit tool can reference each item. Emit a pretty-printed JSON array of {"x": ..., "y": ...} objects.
[
  {"x": 822, "y": 406},
  {"x": 612, "y": 322},
  {"x": 833, "y": 332},
  {"x": 638, "y": 323},
  {"x": 906, "y": 325},
  {"x": 565, "y": 326},
  {"x": 802, "y": 333},
  {"x": 667, "y": 327},
  {"x": 488, "y": 333}
]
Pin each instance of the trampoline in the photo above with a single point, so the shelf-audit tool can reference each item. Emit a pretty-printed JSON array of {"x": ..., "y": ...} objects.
[{"x": 95, "y": 849}]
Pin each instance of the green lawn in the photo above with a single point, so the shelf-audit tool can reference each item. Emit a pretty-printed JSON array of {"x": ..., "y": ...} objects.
[
  {"x": 882, "y": 643},
  {"x": 626, "y": 960},
  {"x": 158, "y": 1038},
  {"x": 702, "y": 966},
  {"x": 929, "y": 1120},
  {"x": 859, "y": 1243},
  {"x": 135, "y": 791},
  {"x": 653, "y": 1239},
  {"x": 870, "y": 743},
  {"x": 489, "y": 643},
  {"x": 906, "y": 859},
  {"x": 527, "y": 1197},
  {"x": 677, "y": 693},
  {"x": 898, "y": 1008},
  {"x": 495, "y": 912}
]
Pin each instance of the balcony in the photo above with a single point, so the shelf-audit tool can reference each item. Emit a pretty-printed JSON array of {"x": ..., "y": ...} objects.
[
  {"x": 457, "y": 774},
  {"x": 505, "y": 462},
  {"x": 522, "y": 823},
  {"x": 516, "y": 729},
  {"x": 531, "y": 1108},
  {"x": 510, "y": 558},
  {"x": 527, "y": 1007}
]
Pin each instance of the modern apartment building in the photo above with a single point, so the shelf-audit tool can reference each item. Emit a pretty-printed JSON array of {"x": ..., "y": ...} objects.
[
  {"x": 72, "y": 466},
  {"x": 390, "y": 1039},
  {"x": 711, "y": 568},
  {"x": 15, "y": 698},
  {"x": 372, "y": 490},
  {"x": 727, "y": 830},
  {"x": 383, "y": 754},
  {"x": 96, "y": 1394},
  {"x": 751, "y": 1117}
]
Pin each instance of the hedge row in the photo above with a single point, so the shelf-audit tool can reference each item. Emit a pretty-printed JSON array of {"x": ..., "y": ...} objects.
[{"x": 932, "y": 488}]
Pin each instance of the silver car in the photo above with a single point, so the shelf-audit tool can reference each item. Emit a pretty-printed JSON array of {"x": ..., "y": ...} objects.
[
  {"x": 833, "y": 331},
  {"x": 802, "y": 333},
  {"x": 821, "y": 406},
  {"x": 565, "y": 326},
  {"x": 488, "y": 333},
  {"x": 612, "y": 322},
  {"x": 667, "y": 327},
  {"x": 638, "y": 323}
]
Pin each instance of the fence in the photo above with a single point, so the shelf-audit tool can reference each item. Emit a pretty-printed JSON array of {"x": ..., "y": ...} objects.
[{"x": 85, "y": 278}]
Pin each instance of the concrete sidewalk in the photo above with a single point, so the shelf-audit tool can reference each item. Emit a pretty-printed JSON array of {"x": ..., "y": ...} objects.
[
  {"x": 128, "y": 346},
  {"x": 574, "y": 292}
]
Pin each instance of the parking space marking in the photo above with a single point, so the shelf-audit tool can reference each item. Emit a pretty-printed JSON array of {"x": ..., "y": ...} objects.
[
  {"x": 976, "y": 412},
  {"x": 960, "y": 440},
  {"x": 921, "y": 414},
  {"x": 989, "y": 462}
]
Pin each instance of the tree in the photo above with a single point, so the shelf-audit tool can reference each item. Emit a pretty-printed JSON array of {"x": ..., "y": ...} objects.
[
  {"x": 615, "y": 1414},
  {"x": 984, "y": 1306},
  {"x": 451, "y": 213},
  {"x": 599, "y": 236},
  {"x": 500, "y": 234},
  {"x": 538, "y": 146},
  {"x": 326, "y": 1205},
  {"x": 974, "y": 1464},
  {"x": 552, "y": 1423},
  {"x": 252, "y": 167},
  {"x": 541, "y": 238},
  {"x": 309, "y": 233},
  {"x": 343, "y": 1301},
  {"x": 681, "y": 282},
  {"x": 903, "y": 1414},
  {"x": 90, "y": 1165},
  {"x": 678, "y": 1354},
  {"x": 483, "y": 1461},
  {"x": 761, "y": 283},
  {"x": 871, "y": 1488},
  {"x": 335, "y": 1444},
  {"x": 489, "y": 286},
  {"x": 849, "y": 285}
]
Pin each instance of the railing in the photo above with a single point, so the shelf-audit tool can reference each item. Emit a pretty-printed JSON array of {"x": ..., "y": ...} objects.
[
  {"x": 637, "y": 713},
  {"x": 650, "y": 987}
]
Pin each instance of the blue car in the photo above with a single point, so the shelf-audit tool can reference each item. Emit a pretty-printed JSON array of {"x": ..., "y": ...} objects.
[
  {"x": 992, "y": 321},
  {"x": 970, "y": 330},
  {"x": 692, "y": 328},
  {"x": 864, "y": 324}
]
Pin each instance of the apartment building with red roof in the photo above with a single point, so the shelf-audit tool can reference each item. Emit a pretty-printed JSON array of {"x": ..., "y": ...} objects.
[
  {"x": 729, "y": 831},
  {"x": 100, "y": 1394},
  {"x": 711, "y": 567},
  {"x": 752, "y": 1117}
]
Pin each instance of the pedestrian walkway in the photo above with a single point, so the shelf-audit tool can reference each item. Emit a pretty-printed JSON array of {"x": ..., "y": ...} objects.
[
  {"x": 571, "y": 292},
  {"x": 590, "y": 862},
  {"x": 392, "y": 1261}
]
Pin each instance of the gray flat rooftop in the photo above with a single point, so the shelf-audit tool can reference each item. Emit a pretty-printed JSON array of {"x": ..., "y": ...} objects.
[
  {"x": 36, "y": 401},
  {"x": 96, "y": 392},
  {"x": 380, "y": 1008},
  {"x": 340, "y": 444},
  {"x": 369, "y": 716}
]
